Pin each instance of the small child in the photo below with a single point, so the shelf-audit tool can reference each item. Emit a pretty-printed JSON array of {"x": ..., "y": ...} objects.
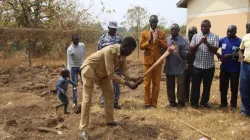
[{"x": 62, "y": 88}]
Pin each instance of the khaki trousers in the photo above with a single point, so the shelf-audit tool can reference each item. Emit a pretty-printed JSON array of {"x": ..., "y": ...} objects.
[
  {"x": 155, "y": 77},
  {"x": 88, "y": 85}
]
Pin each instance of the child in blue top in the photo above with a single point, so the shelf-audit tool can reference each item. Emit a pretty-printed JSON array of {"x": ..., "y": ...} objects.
[{"x": 62, "y": 88}]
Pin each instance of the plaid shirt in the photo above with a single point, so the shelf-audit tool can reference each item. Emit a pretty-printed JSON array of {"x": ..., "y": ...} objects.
[{"x": 204, "y": 58}]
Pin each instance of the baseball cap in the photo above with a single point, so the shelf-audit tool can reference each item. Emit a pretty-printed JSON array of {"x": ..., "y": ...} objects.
[{"x": 113, "y": 24}]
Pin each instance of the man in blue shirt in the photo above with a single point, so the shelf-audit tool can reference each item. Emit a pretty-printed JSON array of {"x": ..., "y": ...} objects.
[
  {"x": 230, "y": 67},
  {"x": 175, "y": 67}
]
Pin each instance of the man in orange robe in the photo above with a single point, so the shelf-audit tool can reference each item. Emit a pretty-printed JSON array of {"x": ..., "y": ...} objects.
[{"x": 151, "y": 41}]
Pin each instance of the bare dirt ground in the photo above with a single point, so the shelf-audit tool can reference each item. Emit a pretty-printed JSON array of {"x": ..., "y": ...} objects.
[{"x": 27, "y": 102}]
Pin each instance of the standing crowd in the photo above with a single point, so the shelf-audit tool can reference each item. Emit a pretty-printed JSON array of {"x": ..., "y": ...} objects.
[{"x": 191, "y": 60}]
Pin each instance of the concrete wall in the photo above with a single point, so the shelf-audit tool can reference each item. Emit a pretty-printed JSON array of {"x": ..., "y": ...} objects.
[
  {"x": 204, "y": 6},
  {"x": 248, "y": 15},
  {"x": 221, "y": 23},
  {"x": 221, "y": 13}
]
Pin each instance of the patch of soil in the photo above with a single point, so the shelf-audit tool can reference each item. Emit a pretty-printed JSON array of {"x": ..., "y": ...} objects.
[{"x": 27, "y": 102}]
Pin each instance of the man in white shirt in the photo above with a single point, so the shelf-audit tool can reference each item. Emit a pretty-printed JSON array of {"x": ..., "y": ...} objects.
[{"x": 75, "y": 58}]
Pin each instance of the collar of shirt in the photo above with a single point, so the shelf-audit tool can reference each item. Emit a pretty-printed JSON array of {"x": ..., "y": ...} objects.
[
  {"x": 121, "y": 58},
  {"x": 62, "y": 78},
  {"x": 176, "y": 38},
  {"x": 118, "y": 51},
  {"x": 75, "y": 45},
  {"x": 154, "y": 32},
  {"x": 232, "y": 39},
  {"x": 108, "y": 35},
  {"x": 208, "y": 34},
  {"x": 156, "y": 29}
]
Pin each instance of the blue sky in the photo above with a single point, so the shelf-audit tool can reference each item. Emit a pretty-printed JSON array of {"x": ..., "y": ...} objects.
[{"x": 165, "y": 8}]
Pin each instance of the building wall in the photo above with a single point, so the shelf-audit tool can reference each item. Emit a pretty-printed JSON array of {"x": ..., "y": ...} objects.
[
  {"x": 221, "y": 23},
  {"x": 221, "y": 13},
  {"x": 248, "y": 15},
  {"x": 205, "y": 6}
]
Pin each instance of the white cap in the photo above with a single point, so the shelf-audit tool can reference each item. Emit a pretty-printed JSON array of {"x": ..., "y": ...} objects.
[{"x": 113, "y": 24}]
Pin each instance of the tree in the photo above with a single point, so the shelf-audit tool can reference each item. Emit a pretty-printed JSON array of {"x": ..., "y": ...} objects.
[
  {"x": 183, "y": 29},
  {"x": 122, "y": 31},
  {"x": 135, "y": 18},
  {"x": 46, "y": 14},
  {"x": 66, "y": 14}
]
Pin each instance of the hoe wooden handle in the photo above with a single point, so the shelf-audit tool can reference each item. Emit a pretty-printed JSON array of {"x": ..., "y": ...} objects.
[{"x": 158, "y": 61}]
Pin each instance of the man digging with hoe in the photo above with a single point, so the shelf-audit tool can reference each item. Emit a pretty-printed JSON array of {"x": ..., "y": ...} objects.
[{"x": 99, "y": 69}]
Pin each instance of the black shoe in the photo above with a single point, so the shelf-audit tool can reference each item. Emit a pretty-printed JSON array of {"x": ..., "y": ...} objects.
[
  {"x": 223, "y": 105},
  {"x": 116, "y": 106},
  {"x": 205, "y": 106},
  {"x": 112, "y": 124},
  {"x": 147, "y": 106},
  {"x": 181, "y": 104},
  {"x": 173, "y": 104},
  {"x": 233, "y": 106},
  {"x": 186, "y": 101},
  {"x": 246, "y": 115},
  {"x": 194, "y": 106},
  {"x": 66, "y": 112}
]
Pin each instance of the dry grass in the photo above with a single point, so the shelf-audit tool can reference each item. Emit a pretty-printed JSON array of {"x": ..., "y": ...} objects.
[
  {"x": 21, "y": 59},
  {"x": 136, "y": 122},
  {"x": 219, "y": 124}
]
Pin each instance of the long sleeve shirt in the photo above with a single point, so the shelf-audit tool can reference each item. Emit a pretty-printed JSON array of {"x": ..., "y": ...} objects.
[
  {"x": 152, "y": 50},
  {"x": 107, "y": 40},
  {"x": 75, "y": 55},
  {"x": 105, "y": 62},
  {"x": 62, "y": 85},
  {"x": 204, "y": 57},
  {"x": 176, "y": 61}
]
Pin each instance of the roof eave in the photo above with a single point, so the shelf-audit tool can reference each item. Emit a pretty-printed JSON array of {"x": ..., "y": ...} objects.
[{"x": 182, "y": 4}]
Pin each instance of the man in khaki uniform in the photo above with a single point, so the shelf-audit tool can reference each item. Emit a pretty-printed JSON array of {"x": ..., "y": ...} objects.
[{"x": 99, "y": 69}]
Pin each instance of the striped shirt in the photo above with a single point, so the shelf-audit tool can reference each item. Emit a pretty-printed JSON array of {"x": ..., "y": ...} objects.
[
  {"x": 204, "y": 58},
  {"x": 176, "y": 62}
]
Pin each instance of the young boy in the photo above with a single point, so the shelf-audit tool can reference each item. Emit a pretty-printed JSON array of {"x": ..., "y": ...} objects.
[{"x": 62, "y": 88}]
